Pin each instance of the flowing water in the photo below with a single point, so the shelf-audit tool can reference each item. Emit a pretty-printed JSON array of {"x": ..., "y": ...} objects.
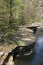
[{"x": 34, "y": 59}]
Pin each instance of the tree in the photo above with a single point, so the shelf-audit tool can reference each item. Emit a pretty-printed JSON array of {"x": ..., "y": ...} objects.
[{"x": 11, "y": 15}]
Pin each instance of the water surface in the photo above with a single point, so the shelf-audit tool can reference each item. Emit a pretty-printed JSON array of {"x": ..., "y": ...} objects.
[{"x": 34, "y": 59}]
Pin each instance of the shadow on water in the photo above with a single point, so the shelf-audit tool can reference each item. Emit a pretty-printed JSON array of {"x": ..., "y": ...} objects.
[
  {"x": 34, "y": 59},
  {"x": 24, "y": 60}
]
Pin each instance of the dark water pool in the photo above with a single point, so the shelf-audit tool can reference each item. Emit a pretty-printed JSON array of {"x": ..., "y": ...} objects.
[{"x": 34, "y": 59}]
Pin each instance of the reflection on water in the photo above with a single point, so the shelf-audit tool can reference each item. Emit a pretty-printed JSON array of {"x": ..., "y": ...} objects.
[
  {"x": 25, "y": 60},
  {"x": 34, "y": 59}
]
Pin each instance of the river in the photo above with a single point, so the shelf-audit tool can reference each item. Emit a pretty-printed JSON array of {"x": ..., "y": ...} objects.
[{"x": 34, "y": 59}]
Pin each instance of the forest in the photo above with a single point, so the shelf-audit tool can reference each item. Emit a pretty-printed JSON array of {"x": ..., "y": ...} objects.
[
  {"x": 21, "y": 23},
  {"x": 14, "y": 13}
]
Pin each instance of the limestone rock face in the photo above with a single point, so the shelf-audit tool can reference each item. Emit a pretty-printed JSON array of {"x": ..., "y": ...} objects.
[
  {"x": 25, "y": 36},
  {"x": 39, "y": 32}
]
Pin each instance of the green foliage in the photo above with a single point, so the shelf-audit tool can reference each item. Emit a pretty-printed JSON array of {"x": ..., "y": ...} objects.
[{"x": 11, "y": 12}]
